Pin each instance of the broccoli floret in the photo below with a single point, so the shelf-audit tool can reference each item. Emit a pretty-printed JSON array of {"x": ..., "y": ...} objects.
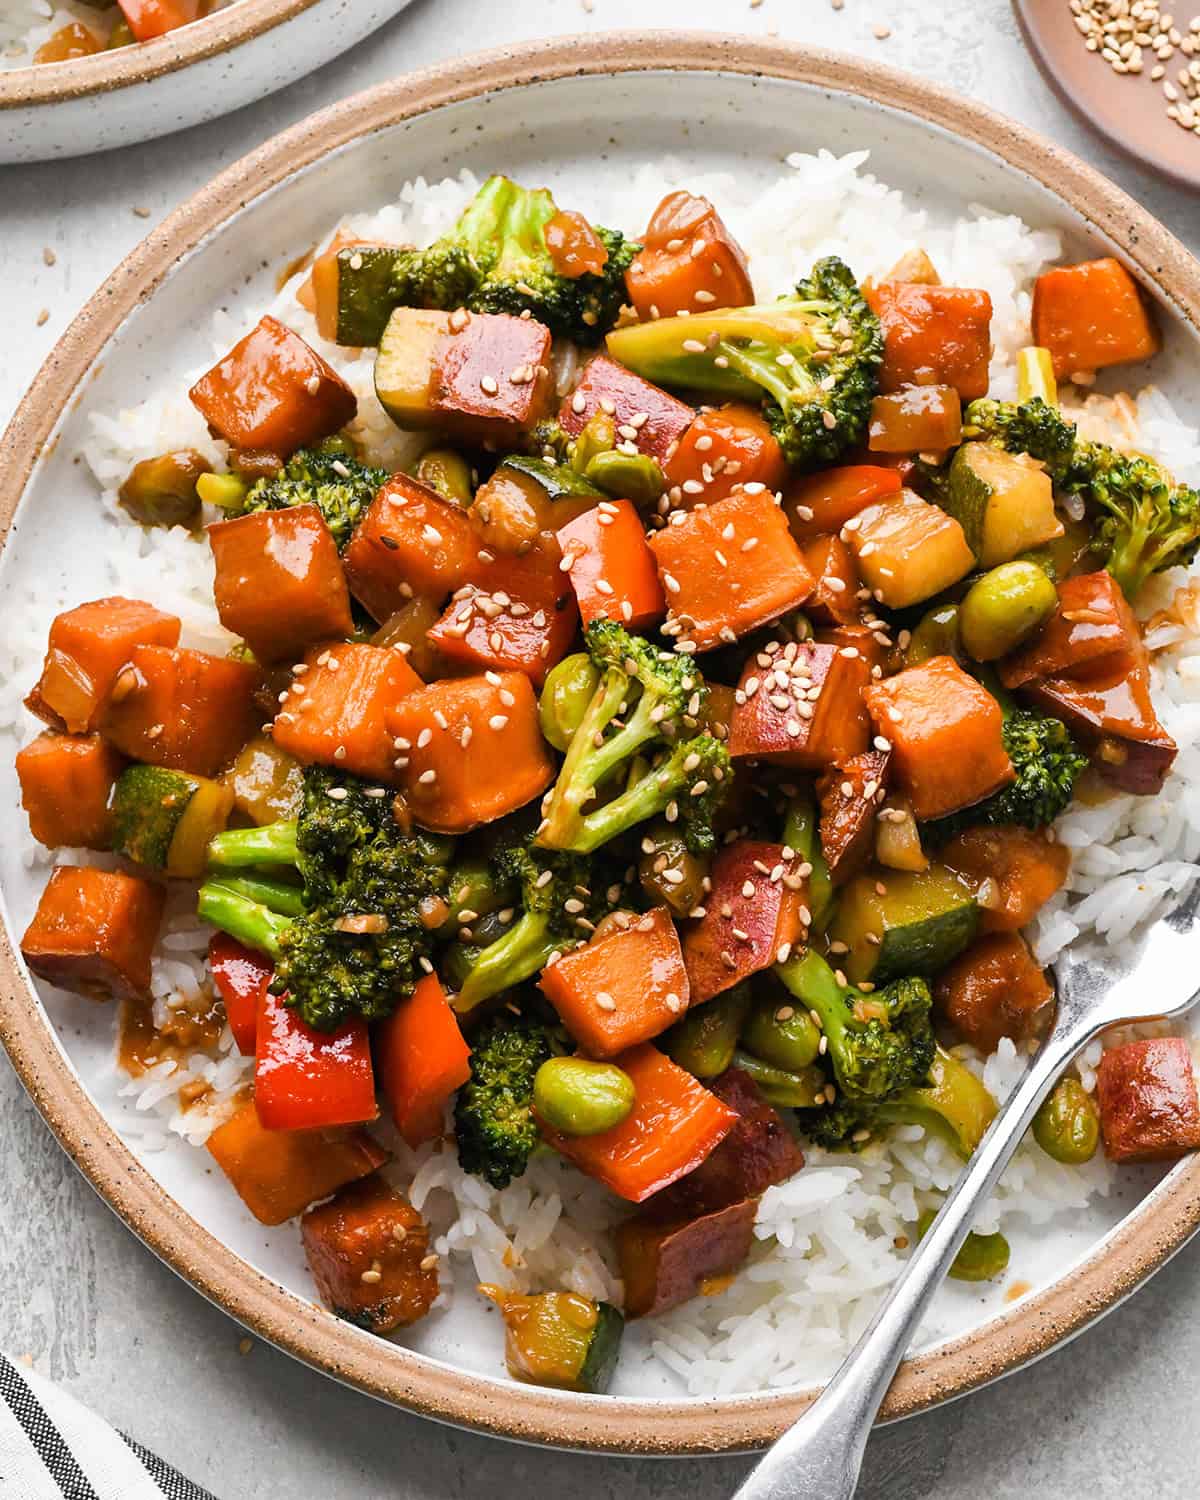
[
  {"x": 878, "y": 1043},
  {"x": 1034, "y": 427},
  {"x": 495, "y": 260},
  {"x": 1047, "y": 762},
  {"x": 1143, "y": 522},
  {"x": 952, "y": 1103},
  {"x": 359, "y": 944},
  {"x": 562, "y": 897},
  {"x": 493, "y": 1118},
  {"x": 812, "y": 358},
  {"x": 645, "y": 697},
  {"x": 330, "y": 478}
]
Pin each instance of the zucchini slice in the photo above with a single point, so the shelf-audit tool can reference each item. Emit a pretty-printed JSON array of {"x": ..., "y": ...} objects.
[
  {"x": 559, "y": 1339},
  {"x": 164, "y": 819},
  {"x": 896, "y": 922},
  {"x": 1004, "y": 502},
  {"x": 364, "y": 293}
]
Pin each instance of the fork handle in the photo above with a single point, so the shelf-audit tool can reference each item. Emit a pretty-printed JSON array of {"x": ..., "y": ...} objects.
[{"x": 819, "y": 1457}]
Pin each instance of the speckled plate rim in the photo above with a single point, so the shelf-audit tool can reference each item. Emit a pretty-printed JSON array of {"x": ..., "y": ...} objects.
[
  {"x": 1143, "y": 1242},
  {"x": 123, "y": 67}
]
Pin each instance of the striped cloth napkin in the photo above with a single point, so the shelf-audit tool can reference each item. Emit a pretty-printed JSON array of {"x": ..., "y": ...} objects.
[{"x": 51, "y": 1448}]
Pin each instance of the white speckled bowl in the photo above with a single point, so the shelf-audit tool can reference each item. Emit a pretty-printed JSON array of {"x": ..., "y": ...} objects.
[
  {"x": 201, "y": 71},
  {"x": 572, "y": 112}
]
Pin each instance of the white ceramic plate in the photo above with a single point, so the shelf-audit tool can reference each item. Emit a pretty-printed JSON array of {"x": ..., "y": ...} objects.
[
  {"x": 568, "y": 114},
  {"x": 198, "y": 73}
]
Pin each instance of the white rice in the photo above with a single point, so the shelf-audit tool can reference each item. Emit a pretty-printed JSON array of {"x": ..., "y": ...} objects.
[
  {"x": 26, "y": 24},
  {"x": 831, "y": 1240}
]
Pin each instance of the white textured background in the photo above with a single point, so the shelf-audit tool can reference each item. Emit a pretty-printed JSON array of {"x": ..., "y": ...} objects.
[{"x": 1113, "y": 1417}]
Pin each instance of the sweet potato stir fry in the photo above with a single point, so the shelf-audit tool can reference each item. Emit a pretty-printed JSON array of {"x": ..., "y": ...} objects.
[{"x": 659, "y": 770}]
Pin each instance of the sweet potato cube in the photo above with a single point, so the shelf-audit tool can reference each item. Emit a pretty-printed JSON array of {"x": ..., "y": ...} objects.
[
  {"x": 94, "y": 932},
  {"x": 658, "y": 420},
  {"x": 933, "y": 335},
  {"x": 491, "y": 377},
  {"x": 1091, "y": 315},
  {"x": 944, "y": 730},
  {"x": 66, "y": 781},
  {"x": 666, "y": 1264},
  {"x": 1020, "y": 867},
  {"x": 689, "y": 262},
  {"x": 850, "y": 793},
  {"x": 1147, "y": 1096},
  {"x": 273, "y": 394},
  {"x": 993, "y": 990},
  {"x": 611, "y": 566},
  {"x": 756, "y": 910},
  {"x": 621, "y": 989},
  {"x": 150, "y": 18},
  {"x": 1114, "y": 715},
  {"x": 1092, "y": 633},
  {"x": 278, "y": 1173},
  {"x": 729, "y": 568},
  {"x": 723, "y": 450},
  {"x": 833, "y": 600},
  {"x": 410, "y": 542},
  {"x": 823, "y": 502},
  {"x": 517, "y": 614},
  {"x": 907, "y": 550},
  {"x": 918, "y": 419},
  {"x": 279, "y": 582},
  {"x": 468, "y": 750},
  {"x": 674, "y": 1124},
  {"x": 368, "y": 1251},
  {"x": 88, "y": 646},
  {"x": 757, "y": 1153},
  {"x": 335, "y": 712},
  {"x": 860, "y": 639},
  {"x": 787, "y": 725},
  {"x": 185, "y": 710}
]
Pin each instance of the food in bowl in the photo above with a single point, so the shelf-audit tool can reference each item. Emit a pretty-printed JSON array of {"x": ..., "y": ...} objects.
[
  {"x": 52, "y": 31},
  {"x": 646, "y": 711}
]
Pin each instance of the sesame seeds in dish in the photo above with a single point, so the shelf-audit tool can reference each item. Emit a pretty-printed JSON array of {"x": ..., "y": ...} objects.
[{"x": 822, "y": 1240}]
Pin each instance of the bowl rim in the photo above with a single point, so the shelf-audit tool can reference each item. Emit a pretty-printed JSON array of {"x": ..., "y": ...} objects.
[
  {"x": 1143, "y": 1241},
  {"x": 106, "y": 72}
]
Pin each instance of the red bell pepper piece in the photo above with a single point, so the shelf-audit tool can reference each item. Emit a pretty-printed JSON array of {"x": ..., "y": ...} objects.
[
  {"x": 310, "y": 1080},
  {"x": 422, "y": 1060},
  {"x": 241, "y": 976}
]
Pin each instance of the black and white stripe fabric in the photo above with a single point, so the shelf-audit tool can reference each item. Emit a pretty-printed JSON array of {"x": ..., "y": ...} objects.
[{"x": 51, "y": 1448}]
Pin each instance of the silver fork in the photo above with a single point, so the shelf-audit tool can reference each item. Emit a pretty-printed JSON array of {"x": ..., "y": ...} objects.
[{"x": 1157, "y": 978}]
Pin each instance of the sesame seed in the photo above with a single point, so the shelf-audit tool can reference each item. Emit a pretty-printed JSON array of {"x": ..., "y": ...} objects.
[
  {"x": 498, "y": 721},
  {"x": 605, "y": 1001},
  {"x": 427, "y": 778}
]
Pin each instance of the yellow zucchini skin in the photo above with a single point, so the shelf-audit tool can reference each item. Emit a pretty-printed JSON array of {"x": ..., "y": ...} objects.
[
  {"x": 164, "y": 819},
  {"x": 916, "y": 924}
]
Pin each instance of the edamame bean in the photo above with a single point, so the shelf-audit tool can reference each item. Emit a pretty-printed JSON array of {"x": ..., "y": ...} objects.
[
  {"x": 937, "y": 634},
  {"x": 1067, "y": 1126},
  {"x": 705, "y": 1040},
  {"x": 568, "y": 690},
  {"x": 983, "y": 1257},
  {"x": 162, "y": 491},
  {"x": 1004, "y": 607},
  {"x": 783, "y": 1034},
  {"x": 628, "y": 476},
  {"x": 580, "y": 1097}
]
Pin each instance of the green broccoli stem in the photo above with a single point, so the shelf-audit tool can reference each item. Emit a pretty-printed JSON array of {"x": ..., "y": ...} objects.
[
  {"x": 509, "y": 961},
  {"x": 250, "y": 922},
  {"x": 954, "y": 1105},
  {"x": 286, "y": 900},
  {"x": 759, "y": 363},
  {"x": 801, "y": 833},
  {"x": 588, "y": 763},
  {"x": 645, "y": 798},
  {"x": 807, "y": 976},
  {"x": 242, "y": 848}
]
